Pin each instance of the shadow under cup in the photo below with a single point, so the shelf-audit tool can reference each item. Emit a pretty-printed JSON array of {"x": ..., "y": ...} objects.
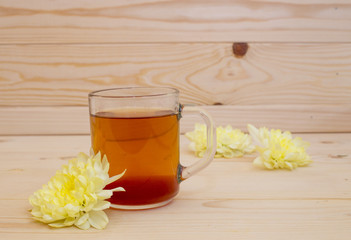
[{"x": 138, "y": 130}]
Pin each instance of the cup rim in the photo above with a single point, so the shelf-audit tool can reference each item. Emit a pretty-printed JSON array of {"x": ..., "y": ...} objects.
[{"x": 162, "y": 91}]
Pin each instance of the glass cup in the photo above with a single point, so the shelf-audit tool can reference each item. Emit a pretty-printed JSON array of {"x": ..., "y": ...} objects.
[{"x": 138, "y": 130}]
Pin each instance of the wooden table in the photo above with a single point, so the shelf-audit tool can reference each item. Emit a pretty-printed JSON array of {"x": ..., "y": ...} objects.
[
  {"x": 230, "y": 199},
  {"x": 280, "y": 64}
]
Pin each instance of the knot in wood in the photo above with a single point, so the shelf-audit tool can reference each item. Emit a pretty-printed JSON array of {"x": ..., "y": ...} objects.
[{"x": 240, "y": 49}]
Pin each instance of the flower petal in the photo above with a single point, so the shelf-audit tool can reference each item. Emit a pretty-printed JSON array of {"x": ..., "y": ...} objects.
[
  {"x": 228, "y": 154},
  {"x": 254, "y": 134},
  {"x": 69, "y": 221},
  {"x": 84, "y": 226},
  {"x": 48, "y": 218},
  {"x": 258, "y": 162},
  {"x": 92, "y": 152},
  {"x": 82, "y": 156},
  {"x": 58, "y": 224},
  {"x": 116, "y": 177},
  {"x": 118, "y": 189},
  {"x": 192, "y": 146},
  {"x": 36, "y": 212},
  {"x": 104, "y": 194},
  {"x": 82, "y": 219},
  {"x": 101, "y": 205},
  {"x": 71, "y": 210},
  {"x": 98, "y": 219},
  {"x": 105, "y": 164}
]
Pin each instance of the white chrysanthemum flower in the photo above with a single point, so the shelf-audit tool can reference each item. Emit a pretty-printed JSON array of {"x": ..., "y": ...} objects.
[
  {"x": 230, "y": 142},
  {"x": 76, "y": 195},
  {"x": 278, "y": 149}
]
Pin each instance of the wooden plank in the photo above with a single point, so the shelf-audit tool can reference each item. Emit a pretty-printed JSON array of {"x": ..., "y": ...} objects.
[
  {"x": 75, "y": 120},
  {"x": 199, "y": 219},
  {"x": 174, "y": 21},
  {"x": 230, "y": 199},
  {"x": 44, "y": 120},
  {"x": 327, "y": 178},
  {"x": 47, "y": 75}
]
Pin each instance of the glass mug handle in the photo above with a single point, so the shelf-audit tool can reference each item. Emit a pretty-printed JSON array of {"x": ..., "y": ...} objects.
[{"x": 188, "y": 171}]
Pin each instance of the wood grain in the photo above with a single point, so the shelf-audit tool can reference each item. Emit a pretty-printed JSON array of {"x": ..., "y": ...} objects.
[
  {"x": 174, "y": 21},
  {"x": 47, "y": 75},
  {"x": 295, "y": 76},
  {"x": 199, "y": 219},
  {"x": 74, "y": 120},
  {"x": 328, "y": 177},
  {"x": 229, "y": 199}
]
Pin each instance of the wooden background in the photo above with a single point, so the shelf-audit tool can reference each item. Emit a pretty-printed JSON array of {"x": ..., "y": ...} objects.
[{"x": 295, "y": 75}]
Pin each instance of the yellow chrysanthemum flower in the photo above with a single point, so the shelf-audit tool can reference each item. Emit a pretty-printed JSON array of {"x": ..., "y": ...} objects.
[
  {"x": 278, "y": 149},
  {"x": 76, "y": 195},
  {"x": 230, "y": 142}
]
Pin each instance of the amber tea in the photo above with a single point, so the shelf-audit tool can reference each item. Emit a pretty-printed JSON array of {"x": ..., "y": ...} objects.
[
  {"x": 138, "y": 129},
  {"x": 146, "y": 143}
]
